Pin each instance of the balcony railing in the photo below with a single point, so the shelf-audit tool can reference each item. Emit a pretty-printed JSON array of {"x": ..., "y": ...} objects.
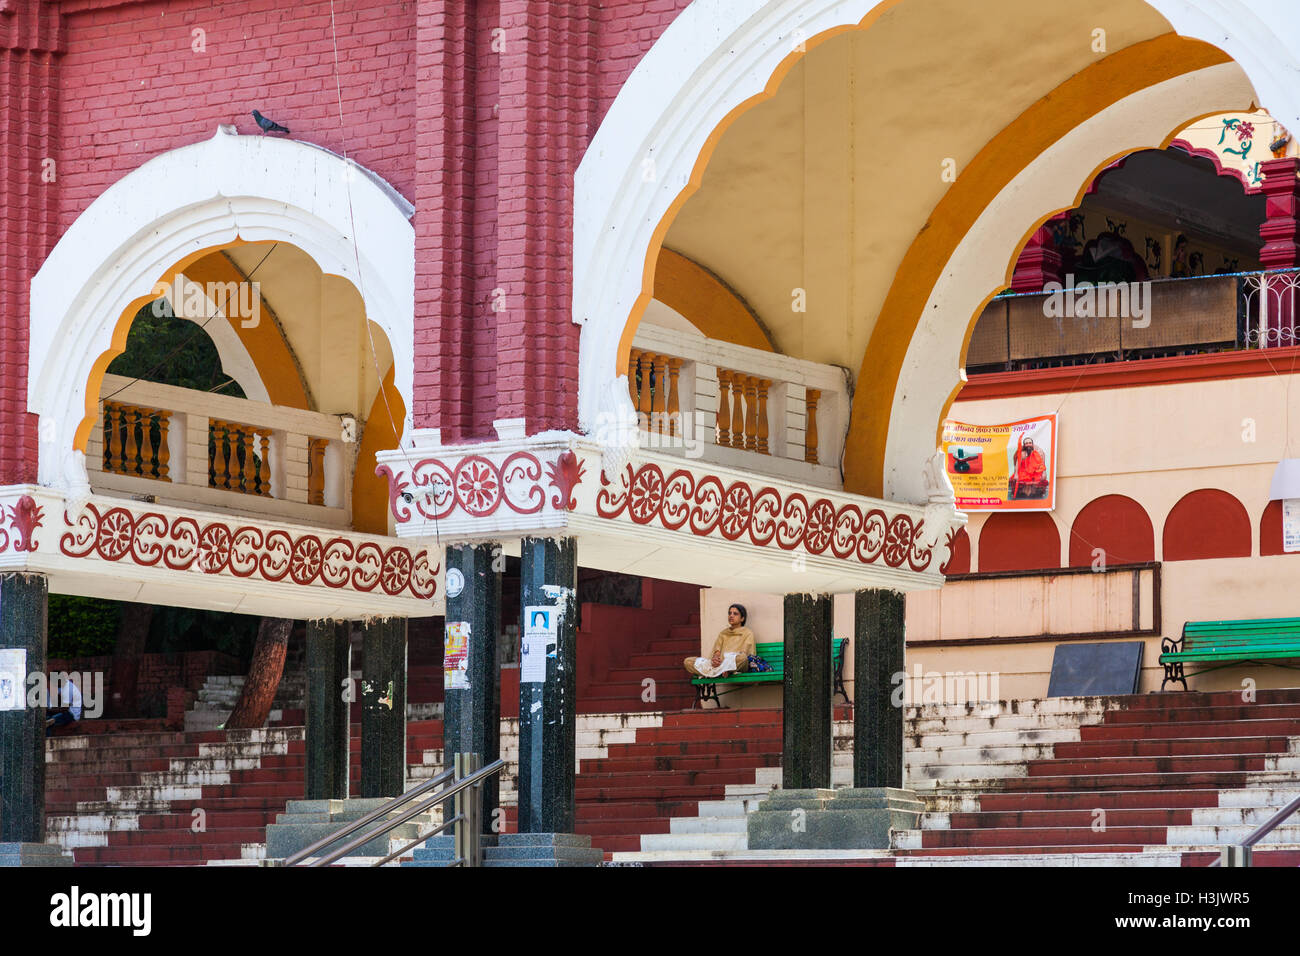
[
  {"x": 731, "y": 404},
  {"x": 1191, "y": 316},
  {"x": 179, "y": 446}
]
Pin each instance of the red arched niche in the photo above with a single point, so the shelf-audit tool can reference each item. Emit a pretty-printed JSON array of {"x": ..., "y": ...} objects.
[
  {"x": 1116, "y": 524},
  {"x": 1270, "y": 530},
  {"x": 959, "y": 557},
  {"x": 1208, "y": 523},
  {"x": 1027, "y": 541}
]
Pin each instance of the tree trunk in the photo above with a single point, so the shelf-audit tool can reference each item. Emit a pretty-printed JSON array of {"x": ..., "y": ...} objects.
[
  {"x": 123, "y": 679},
  {"x": 264, "y": 673}
]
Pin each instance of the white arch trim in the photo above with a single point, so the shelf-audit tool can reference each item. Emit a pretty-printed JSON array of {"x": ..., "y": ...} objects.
[
  {"x": 199, "y": 196},
  {"x": 718, "y": 53},
  {"x": 235, "y": 360},
  {"x": 931, "y": 367}
]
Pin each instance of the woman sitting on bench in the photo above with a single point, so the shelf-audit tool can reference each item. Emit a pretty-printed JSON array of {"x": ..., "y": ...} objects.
[{"x": 731, "y": 651}]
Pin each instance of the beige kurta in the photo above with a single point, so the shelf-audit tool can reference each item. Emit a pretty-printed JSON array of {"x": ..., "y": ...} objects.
[{"x": 739, "y": 640}]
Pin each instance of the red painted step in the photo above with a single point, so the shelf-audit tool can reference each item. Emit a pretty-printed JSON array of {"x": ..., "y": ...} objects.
[
  {"x": 1190, "y": 746},
  {"x": 1042, "y": 836}
]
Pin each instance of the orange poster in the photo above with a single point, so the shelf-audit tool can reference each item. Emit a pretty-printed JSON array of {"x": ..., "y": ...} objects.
[{"x": 1009, "y": 467}]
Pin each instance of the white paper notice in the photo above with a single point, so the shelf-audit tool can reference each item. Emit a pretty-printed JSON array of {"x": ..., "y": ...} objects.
[
  {"x": 1290, "y": 524},
  {"x": 13, "y": 678},
  {"x": 541, "y": 625}
]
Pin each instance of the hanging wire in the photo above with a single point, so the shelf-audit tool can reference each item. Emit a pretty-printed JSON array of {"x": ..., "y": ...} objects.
[{"x": 356, "y": 252}]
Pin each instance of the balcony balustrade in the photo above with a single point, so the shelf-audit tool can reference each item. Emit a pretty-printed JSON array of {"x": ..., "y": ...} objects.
[
  {"x": 738, "y": 406},
  {"x": 179, "y": 446},
  {"x": 1188, "y": 316}
]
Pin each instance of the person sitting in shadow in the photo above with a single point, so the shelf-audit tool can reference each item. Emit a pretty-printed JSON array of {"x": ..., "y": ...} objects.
[{"x": 68, "y": 712}]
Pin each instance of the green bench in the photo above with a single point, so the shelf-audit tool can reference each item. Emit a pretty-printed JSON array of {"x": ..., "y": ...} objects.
[
  {"x": 706, "y": 688},
  {"x": 1224, "y": 643}
]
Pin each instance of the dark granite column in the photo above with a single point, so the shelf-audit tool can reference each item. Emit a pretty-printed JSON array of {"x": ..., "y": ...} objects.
[
  {"x": 878, "y": 702},
  {"x": 22, "y": 732},
  {"x": 329, "y": 666},
  {"x": 383, "y": 707},
  {"x": 548, "y": 689},
  {"x": 806, "y": 761},
  {"x": 472, "y": 708}
]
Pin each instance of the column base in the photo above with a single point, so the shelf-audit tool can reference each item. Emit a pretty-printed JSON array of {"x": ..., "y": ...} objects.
[
  {"x": 306, "y": 821},
  {"x": 847, "y": 819},
  {"x": 518, "y": 849},
  {"x": 34, "y": 854}
]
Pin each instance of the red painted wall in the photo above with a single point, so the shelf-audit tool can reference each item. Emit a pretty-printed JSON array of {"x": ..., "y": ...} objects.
[
  {"x": 1117, "y": 525},
  {"x": 959, "y": 559},
  {"x": 477, "y": 113},
  {"x": 1019, "y": 542},
  {"x": 1208, "y": 523}
]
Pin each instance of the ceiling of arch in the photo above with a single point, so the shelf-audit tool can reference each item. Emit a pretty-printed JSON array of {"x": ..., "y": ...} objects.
[
  {"x": 321, "y": 318},
  {"x": 823, "y": 187}
]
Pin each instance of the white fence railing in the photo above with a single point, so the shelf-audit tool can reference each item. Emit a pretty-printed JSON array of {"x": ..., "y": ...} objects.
[
  {"x": 743, "y": 407},
  {"x": 180, "y": 446}
]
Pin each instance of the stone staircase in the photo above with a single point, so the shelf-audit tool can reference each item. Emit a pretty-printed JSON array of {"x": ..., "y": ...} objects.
[
  {"x": 1146, "y": 780},
  {"x": 177, "y": 798},
  {"x": 219, "y": 693}
]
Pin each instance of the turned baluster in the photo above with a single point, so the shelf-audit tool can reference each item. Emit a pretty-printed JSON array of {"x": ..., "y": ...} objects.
[
  {"x": 131, "y": 465},
  {"x": 148, "y": 453},
  {"x": 658, "y": 363},
  {"x": 248, "y": 439},
  {"x": 164, "y": 452},
  {"x": 751, "y": 413},
  {"x": 264, "y": 472},
  {"x": 114, "y": 437},
  {"x": 643, "y": 404},
  {"x": 316, "y": 470},
  {"x": 737, "y": 410},
  {"x": 724, "y": 408},
  {"x": 674, "y": 403},
  {"x": 811, "y": 397},
  {"x": 633, "y": 362},
  {"x": 219, "y": 467},
  {"x": 763, "y": 430}
]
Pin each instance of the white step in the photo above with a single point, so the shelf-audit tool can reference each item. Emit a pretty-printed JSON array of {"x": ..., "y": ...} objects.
[
  {"x": 728, "y": 808},
  {"x": 1084, "y": 706},
  {"x": 977, "y": 724},
  {"x": 1258, "y": 796},
  {"x": 938, "y": 773},
  {"x": 1230, "y": 835},
  {"x": 652, "y": 842},
  {"x": 1161, "y": 859},
  {"x": 990, "y": 738},
  {"x": 977, "y": 755},
  {"x": 710, "y": 824}
]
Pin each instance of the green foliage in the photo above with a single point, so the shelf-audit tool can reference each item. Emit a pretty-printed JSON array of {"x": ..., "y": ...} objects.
[
  {"x": 87, "y": 627},
  {"x": 162, "y": 348},
  {"x": 81, "y": 626}
]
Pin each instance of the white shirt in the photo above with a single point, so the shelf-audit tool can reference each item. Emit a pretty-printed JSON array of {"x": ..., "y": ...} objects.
[{"x": 70, "y": 697}]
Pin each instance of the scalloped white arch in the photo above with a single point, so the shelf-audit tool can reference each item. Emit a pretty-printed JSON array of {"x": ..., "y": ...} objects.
[
  {"x": 718, "y": 53},
  {"x": 200, "y": 196}
]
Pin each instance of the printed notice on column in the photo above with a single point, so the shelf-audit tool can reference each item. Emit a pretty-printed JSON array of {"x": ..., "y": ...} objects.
[
  {"x": 539, "y": 643},
  {"x": 13, "y": 678},
  {"x": 455, "y": 656}
]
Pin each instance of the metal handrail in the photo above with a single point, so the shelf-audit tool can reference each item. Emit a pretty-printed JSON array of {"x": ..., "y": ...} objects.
[
  {"x": 471, "y": 780},
  {"x": 369, "y": 817},
  {"x": 421, "y": 838},
  {"x": 1268, "y": 827}
]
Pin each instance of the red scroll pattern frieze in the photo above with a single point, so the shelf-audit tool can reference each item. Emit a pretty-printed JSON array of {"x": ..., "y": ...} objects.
[
  {"x": 244, "y": 551},
  {"x": 478, "y": 486},
  {"x": 739, "y": 512}
]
